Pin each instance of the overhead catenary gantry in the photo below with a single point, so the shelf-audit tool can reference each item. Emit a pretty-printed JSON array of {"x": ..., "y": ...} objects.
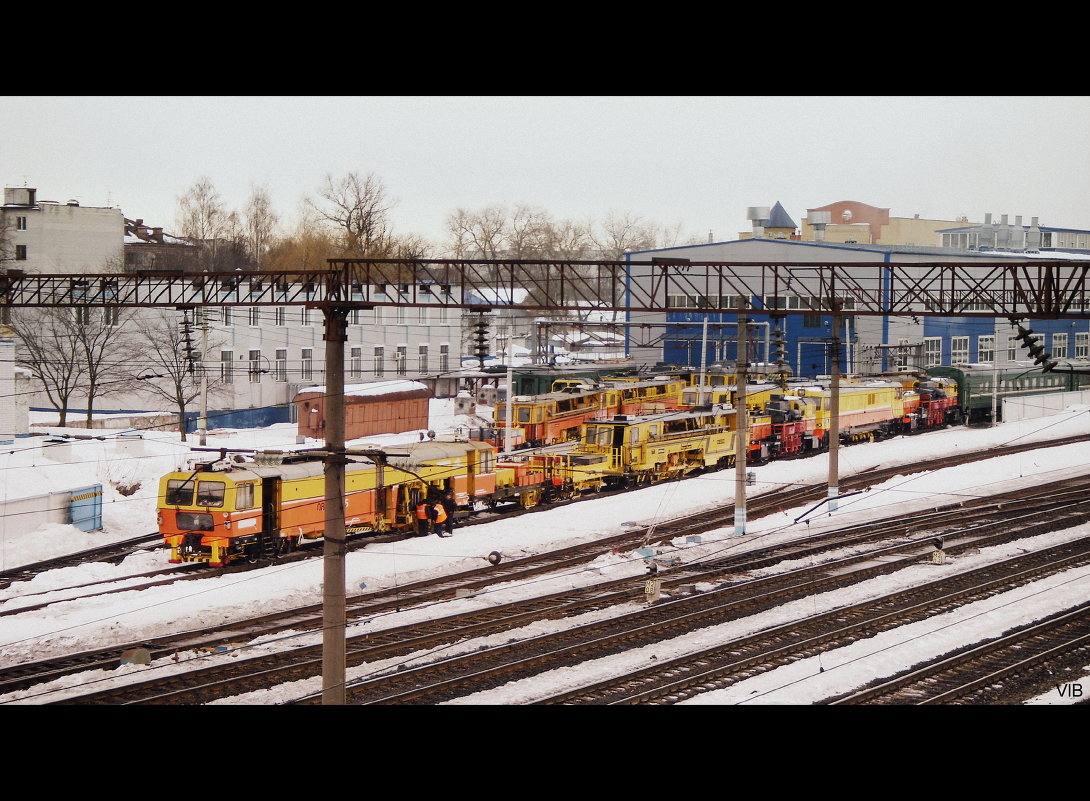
[
  {"x": 1012, "y": 288},
  {"x": 985, "y": 288}
]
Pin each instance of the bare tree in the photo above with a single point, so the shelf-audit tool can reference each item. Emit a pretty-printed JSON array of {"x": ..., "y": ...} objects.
[
  {"x": 306, "y": 248},
  {"x": 619, "y": 233},
  {"x": 359, "y": 208},
  {"x": 220, "y": 234},
  {"x": 260, "y": 222},
  {"x": 107, "y": 353},
  {"x": 528, "y": 232},
  {"x": 478, "y": 234},
  {"x": 176, "y": 378},
  {"x": 569, "y": 240},
  {"x": 202, "y": 217},
  {"x": 49, "y": 346}
]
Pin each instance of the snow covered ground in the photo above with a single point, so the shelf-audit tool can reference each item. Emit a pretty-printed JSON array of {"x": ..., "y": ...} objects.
[{"x": 128, "y": 617}]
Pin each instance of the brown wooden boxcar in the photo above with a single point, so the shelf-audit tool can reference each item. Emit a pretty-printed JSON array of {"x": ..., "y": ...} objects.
[{"x": 381, "y": 407}]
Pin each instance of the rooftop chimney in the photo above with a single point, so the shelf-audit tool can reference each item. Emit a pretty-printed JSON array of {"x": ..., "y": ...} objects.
[{"x": 759, "y": 216}]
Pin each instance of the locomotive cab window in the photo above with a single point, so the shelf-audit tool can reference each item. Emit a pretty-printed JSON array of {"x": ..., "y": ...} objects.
[
  {"x": 210, "y": 493},
  {"x": 179, "y": 492},
  {"x": 244, "y": 496}
]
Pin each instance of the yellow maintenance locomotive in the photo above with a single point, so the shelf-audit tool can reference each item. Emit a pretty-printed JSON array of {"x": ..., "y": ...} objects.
[{"x": 223, "y": 510}]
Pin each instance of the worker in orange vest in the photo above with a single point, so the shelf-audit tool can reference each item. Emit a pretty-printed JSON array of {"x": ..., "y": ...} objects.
[
  {"x": 423, "y": 522},
  {"x": 438, "y": 516}
]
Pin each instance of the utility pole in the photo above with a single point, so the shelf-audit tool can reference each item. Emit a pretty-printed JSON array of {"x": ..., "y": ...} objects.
[
  {"x": 741, "y": 444},
  {"x": 703, "y": 363},
  {"x": 335, "y": 538},
  {"x": 202, "y": 422},
  {"x": 834, "y": 416}
]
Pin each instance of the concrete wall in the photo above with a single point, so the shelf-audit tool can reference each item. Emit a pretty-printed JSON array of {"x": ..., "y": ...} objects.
[{"x": 1015, "y": 409}]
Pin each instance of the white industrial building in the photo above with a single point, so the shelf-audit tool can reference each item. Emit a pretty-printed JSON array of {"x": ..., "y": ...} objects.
[{"x": 256, "y": 357}]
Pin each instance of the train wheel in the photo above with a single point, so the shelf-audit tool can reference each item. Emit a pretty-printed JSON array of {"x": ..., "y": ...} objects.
[{"x": 252, "y": 554}]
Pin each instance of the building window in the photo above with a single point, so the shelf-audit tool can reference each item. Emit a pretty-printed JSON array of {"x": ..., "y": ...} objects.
[
  {"x": 20, "y": 252},
  {"x": 985, "y": 349},
  {"x": 227, "y": 316},
  {"x": 255, "y": 367},
  {"x": 380, "y": 360},
  {"x": 227, "y": 366},
  {"x": 280, "y": 315},
  {"x": 401, "y": 315},
  {"x": 444, "y": 358},
  {"x": 422, "y": 319},
  {"x": 1012, "y": 348},
  {"x": 444, "y": 315},
  {"x": 280, "y": 371},
  {"x": 111, "y": 316},
  {"x": 356, "y": 318},
  {"x": 1059, "y": 346},
  {"x": 932, "y": 351},
  {"x": 400, "y": 357},
  {"x": 308, "y": 364},
  {"x": 20, "y": 223},
  {"x": 378, "y": 315},
  {"x": 423, "y": 358},
  {"x": 304, "y": 316},
  {"x": 811, "y": 321},
  {"x": 1082, "y": 345},
  {"x": 82, "y": 315},
  {"x": 959, "y": 350},
  {"x": 355, "y": 366},
  {"x": 902, "y": 352},
  {"x": 255, "y": 316}
]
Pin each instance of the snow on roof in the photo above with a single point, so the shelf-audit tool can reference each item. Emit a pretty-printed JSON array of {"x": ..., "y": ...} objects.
[
  {"x": 373, "y": 388},
  {"x": 496, "y": 295}
]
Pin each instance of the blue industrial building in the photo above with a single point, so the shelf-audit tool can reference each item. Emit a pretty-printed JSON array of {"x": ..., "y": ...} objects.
[{"x": 870, "y": 344}]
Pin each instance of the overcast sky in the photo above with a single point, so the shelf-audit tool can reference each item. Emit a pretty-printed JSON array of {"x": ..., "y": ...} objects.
[{"x": 698, "y": 161}]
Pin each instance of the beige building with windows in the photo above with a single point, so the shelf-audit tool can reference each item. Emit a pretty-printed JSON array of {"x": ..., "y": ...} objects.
[{"x": 45, "y": 236}]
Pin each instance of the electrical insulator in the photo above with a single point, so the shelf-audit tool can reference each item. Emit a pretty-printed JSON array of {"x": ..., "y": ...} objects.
[
  {"x": 480, "y": 339},
  {"x": 1036, "y": 350},
  {"x": 1024, "y": 334}
]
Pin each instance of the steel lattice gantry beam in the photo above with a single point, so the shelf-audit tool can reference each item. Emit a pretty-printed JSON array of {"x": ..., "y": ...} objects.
[{"x": 994, "y": 288}]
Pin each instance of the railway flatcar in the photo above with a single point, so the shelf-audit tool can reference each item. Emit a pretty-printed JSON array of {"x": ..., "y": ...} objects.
[
  {"x": 631, "y": 450},
  {"x": 980, "y": 386}
]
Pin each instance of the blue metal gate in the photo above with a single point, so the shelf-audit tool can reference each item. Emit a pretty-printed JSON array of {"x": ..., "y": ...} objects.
[{"x": 86, "y": 508}]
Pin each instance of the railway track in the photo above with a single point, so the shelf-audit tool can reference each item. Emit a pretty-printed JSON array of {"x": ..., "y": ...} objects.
[
  {"x": 119, "y": 551},
  {"x": 718, "y": 668},
  {"x": 743, "y": 598},
  {"x": 20, "y": 677},
  {"x": 1034, "y": 655}
]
